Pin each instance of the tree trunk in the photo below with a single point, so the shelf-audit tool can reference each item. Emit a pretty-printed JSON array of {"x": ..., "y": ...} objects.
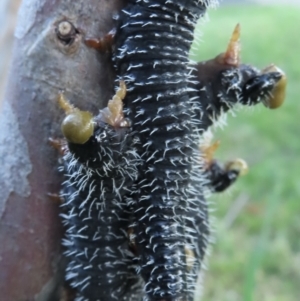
[{"x": 44, "y": 64}]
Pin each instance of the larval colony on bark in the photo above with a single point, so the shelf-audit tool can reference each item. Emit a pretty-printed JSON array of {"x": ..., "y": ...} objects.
[{"x": 135, "y": 179}]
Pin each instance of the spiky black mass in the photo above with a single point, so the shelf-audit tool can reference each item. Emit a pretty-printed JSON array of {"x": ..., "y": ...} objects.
[
  {"x": 139, "y": 192},
  {"x": 97, "y": 176},
  {"x": 220, "y": 87},
  {"x": 170, "y": 213},
  {"x": 216, "y": 88}
]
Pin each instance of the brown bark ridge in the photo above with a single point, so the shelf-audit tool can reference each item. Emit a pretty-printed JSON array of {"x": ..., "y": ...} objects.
[{"x": 44, "y": 64}]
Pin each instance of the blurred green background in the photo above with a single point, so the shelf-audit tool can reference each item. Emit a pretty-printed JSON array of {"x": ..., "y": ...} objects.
[{"x": 256, "y": 255}]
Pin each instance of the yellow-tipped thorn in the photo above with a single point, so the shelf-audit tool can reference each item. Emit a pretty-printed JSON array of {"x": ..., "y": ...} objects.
[{"x": 232, "y": 56}]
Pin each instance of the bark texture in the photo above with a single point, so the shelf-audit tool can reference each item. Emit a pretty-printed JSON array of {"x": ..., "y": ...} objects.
[{"x": 42, "y": 66}]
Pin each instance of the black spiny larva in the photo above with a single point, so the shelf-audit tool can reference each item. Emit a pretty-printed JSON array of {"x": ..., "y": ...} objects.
[
  {"x": 170, "y": 220},
  {"x": 99, "y": 167}
]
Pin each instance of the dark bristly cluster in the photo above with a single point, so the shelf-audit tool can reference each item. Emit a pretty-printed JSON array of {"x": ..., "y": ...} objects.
[
  {"x": 217, "y": 86},
  {"x": 99, "y": 170},
  {"x": 136, "y": 177},
  {"x": 170, "y": 220}
]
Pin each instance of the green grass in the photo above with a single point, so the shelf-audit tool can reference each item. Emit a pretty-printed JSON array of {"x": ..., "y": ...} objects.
[{"x": 257, "y": 255}]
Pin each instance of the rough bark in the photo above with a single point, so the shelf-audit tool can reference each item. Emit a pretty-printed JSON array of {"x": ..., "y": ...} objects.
[
  {"x": 8, "y": 16},
  {"x": 30, "y": 229}
]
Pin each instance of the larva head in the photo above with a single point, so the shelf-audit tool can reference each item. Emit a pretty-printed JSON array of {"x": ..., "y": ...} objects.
[
  {"x": 238, "y": 165},
  {"x": 77, "y": 126},
  {"x": 277, "y": 96}
]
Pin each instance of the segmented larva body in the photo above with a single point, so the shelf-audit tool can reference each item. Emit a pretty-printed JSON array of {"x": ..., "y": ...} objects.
[
  {"x": 99, "y": 169},
  {"x": 170, "y": 214}
]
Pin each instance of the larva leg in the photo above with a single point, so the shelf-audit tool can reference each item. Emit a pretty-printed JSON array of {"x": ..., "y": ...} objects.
[{"x": 102, "y": 44}]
